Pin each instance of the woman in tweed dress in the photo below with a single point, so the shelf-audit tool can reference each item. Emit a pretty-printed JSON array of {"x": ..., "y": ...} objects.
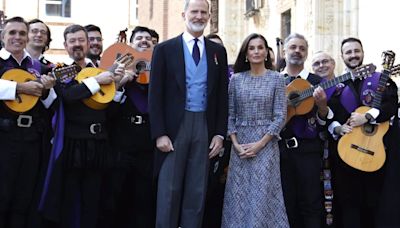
[{"x": 257, "y": 112}]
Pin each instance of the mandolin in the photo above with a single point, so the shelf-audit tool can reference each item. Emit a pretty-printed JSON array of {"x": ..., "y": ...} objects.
[
  {"x": 299, "y": 92},
  {"x": 100, "y": 100},
  {"x": 25, "y": 102},
  {"x": 363, "y": 147}
]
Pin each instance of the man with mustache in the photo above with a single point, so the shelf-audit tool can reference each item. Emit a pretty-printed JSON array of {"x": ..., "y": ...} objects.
[
  {"x": 24, "y": 137},
  {"x": 188, "y": 107},
  {"x": 301, "y": 147},
  {"x": 365, "y": 199},
  {"x": 130, "y": 138},
  {"x": 141, "y": 39},
  {"x": 95, "y": 43},
  {"x": 75, "y": 185},
  {"x": 39, "y": 36}
]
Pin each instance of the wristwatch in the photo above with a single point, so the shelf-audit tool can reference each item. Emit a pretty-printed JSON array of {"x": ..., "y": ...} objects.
[{"x": 369, "y": 117}]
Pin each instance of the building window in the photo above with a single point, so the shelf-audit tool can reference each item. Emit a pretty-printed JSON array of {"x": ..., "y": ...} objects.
[
  {"x": 252, "y": 7},
  {"x": 285, "y": 29},
  {"x": 58, "y": 8}
]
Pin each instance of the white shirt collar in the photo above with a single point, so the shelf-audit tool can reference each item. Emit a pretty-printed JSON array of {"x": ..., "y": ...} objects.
[
  {"x": 4, "y": 54},
  {"x": 70, "y": 61},
  {"x": 303, "y": 74},
  {"x": 187, "y": 37},
  {"x": 189, "y": 40}
]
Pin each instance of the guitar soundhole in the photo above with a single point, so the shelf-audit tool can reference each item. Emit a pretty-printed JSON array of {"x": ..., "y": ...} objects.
[
  {"x": 369, "y": 129},
  {"x": 140, "y": 66},
  {"x": 293, "y": 99}
]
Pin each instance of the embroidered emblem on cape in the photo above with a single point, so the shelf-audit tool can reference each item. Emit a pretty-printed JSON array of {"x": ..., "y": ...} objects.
[
  {"x": 34, "y": 72},
  {"x": 368, "y": 96}
]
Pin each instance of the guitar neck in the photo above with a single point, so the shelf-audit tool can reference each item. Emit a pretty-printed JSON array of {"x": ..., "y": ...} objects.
[
  {"x": 326, "y": 85},
  {"x": 384, "y": 77}
]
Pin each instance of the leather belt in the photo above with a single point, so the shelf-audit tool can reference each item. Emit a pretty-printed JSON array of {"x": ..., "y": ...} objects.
[{"x": 22, "y": 121}]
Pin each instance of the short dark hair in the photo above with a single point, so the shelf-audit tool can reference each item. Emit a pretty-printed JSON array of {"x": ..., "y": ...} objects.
[
  {"x": 241, "y": 65},
  {"x": 92, "y": 28},
  {"x": 34, "y": 21},
  {"x": 13, "y": 19},
  {"x": 154, "y": 34},
  {"x": 138, "y": 29},
  {"x": 73, "y": 29},
  {"x": 16, "y": 19},
  {"x": 351, "y": 39}
]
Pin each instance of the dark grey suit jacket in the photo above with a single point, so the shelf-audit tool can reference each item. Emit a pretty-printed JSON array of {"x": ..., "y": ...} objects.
[{"x": 167, "y": 91}]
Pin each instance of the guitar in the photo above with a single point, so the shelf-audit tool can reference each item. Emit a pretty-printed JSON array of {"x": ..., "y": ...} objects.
[
  {"x": 141, "y": 60},
  {"x": 100, "y": 100},
  {"x": 25, "y": 102},
  {"x": 363, "y": 147},
  {"x": 299, "y": 92}
]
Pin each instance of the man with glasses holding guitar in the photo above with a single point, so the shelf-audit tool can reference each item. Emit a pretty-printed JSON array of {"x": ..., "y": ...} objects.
[{"x": 24, "y": 122}]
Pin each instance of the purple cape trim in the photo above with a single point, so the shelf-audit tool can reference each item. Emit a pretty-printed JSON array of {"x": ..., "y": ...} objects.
[
  {"x": 138, "y": 98},
  {"x": 348, "y": 100},
  {"x": 58, "y": 122},
  {"x": 302, "y": 129},
  {"x": 370, "y": 83}
]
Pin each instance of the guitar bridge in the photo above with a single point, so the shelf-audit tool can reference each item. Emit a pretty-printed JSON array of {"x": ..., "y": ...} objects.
[{"x": 363, "y": 150}]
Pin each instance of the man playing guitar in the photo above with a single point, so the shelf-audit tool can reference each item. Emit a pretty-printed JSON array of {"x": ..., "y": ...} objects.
[
  {"x": 24, "y": 137},
  {"x": 358, "y": 193},
  {"x": 130, "y": 138},
  {"x": 79, "y": 169}
]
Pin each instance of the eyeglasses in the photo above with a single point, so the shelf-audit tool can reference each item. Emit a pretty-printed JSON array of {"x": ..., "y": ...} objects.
[
  {"x": 36, "y": 31},
  {"x": 323, "y": 62},
  {"x": 98, "y": 39}
]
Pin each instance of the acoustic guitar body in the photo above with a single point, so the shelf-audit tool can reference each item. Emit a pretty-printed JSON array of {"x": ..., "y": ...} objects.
[
  {"x": 23, "y": 102},
  {"x": 99, "y": 100},
  {"x": 363, "y": 147},
  {"x": 141, "y": 60},
  {"x": 114, "y": 52},
  {"x": 297, "y": 106}
]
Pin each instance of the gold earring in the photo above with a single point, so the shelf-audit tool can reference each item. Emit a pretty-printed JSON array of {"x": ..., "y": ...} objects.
[{"x": 246, "y": 60}]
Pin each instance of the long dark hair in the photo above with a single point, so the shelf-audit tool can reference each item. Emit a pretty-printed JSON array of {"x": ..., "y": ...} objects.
[{"x": 241, "y": 64}]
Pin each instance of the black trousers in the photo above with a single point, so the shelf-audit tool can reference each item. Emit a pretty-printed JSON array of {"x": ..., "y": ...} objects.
[
  {"x": 301, "y": 184},
  {"x": 80, "y": 199},
  {"x": 19, "y": 172},
  {"x": 133, "y": 194}
]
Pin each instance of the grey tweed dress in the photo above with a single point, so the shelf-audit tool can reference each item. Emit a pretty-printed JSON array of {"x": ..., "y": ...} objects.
[{"x": 253, "y": 193}]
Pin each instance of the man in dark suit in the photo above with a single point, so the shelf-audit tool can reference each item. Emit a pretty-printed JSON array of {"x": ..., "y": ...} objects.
[
  {"x": 188, "y": 115},
  {"x": 301, "y": 146}
]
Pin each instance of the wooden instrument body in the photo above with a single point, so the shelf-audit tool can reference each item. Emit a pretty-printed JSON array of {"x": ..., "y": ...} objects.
[
  {"x": 363, "y": 147},
  {"x": 141, "y": 60},
  {"x": 99, "y": 100},
  {"x": 22, "y": 102},
  {"x": 295, "y": 106}
]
